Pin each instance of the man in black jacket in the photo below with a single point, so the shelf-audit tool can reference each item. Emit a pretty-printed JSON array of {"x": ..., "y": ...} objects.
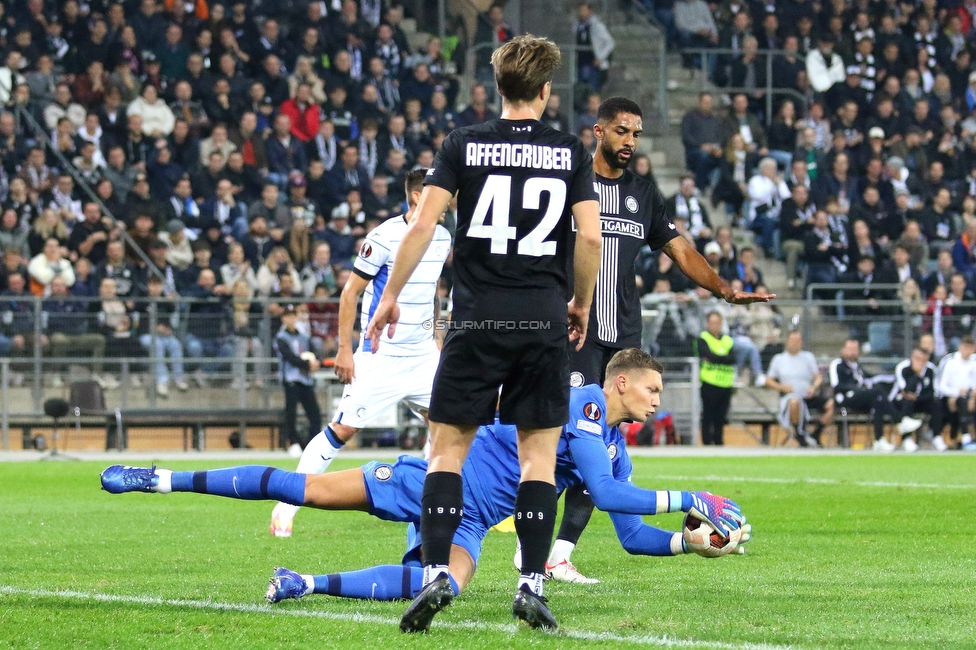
[
  {"x": 912, "y": 394},
  {"x": 854, "y": 391},
  {"x": 297, "y": 363}
]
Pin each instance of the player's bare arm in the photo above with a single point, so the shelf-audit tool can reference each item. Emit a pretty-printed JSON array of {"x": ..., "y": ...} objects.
[
  {"x": 433, "y": 202},
  {"x": 696, "y": 267},
  {"x": 586, "y": 266},
  {"x": 345, "y": 368}
]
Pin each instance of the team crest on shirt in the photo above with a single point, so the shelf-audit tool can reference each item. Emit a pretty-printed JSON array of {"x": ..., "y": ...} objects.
[
  {"x": 361, "y": 412},
  {"x": 592, "y": 411},
  {"x": 671, "y": 226},
  {"x": 383, "y": 473},
  {"x": 430, "y": 172},
  {"x": 631, "y": 204},
  {"x": 612, "y": 450},
  {"x": 366, "y": 250},
  {"x": 576, "y": 379}
]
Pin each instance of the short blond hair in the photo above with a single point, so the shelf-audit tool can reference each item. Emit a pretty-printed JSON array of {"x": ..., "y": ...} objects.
[
  {"x": 523, "y": 66},
  {"x": 630, "y": 359}
]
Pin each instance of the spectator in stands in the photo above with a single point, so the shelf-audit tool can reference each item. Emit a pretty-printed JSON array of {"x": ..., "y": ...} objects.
[
  {"x": 766, "y": 190},
  {"x": 783, "y": 134},
  {"x": 595, "y": 47},
  {"x": 695, "y": 28},
  {"x": 116, "y": 266},
  {"x": 319, "y": 271},
  {"x": 378, "y": 203},
  {"x": 63, "y": 200},
  {"x": 795, "y": 375},
  {"x": 13, "y": 233},
  {"x": 900, "y": 268},
  {"x": 224, "y": 210},
  {"x": 964, "y": 250},
  {"x": 35, "y": 173},
  {"x": 178, "y": 251},
  {"x": 824, "y": 252},
  {"x": 246, "y": 317},
  {"x": 67, "y": 328},
  {"x": 744, "y": 269},
  {"x": 47, "y": 265},
  {"x": 47, "y": 226},
  {"x": 348, "y": 175},
  {"x": 237, "y": 268},
  {"x": 912, "y": 394},
  {"x": 551, "y": 117},
  {"x": 702, "y": 135},
  {"x": 717, "y": 374},
  {"x": 477, "y": 111},
  {"x": 89, "y": 238},
  {"x": 303, "y": 113},
  {"x": 285, "y": 153},
  {"x": 163, "y": 342},
  {"x": 735, "y": 170},
  {"x": 108, "y": 315},
  {"x": 338, "y": 234},
  {"x": 795, "y": 219},
  {"x": 206, "y": 329},
  {"x": 939, "y": 221},
  {"x": 914, "y": 242},
  {"x": 745, "y": 123},
  {"x": 278, "y": 262},
  {"x": 686, "y": 205},
  {"x": 944, "y": 270},
  {"x": 219, "y": 142},
  {"x": 157, "y": 118},
  {"x": 304, "y": 73},
  {"x": 63, "y": 106}
]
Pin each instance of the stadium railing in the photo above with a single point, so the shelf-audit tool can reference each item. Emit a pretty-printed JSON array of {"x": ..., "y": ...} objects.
[{"x": 38, "y": 367}]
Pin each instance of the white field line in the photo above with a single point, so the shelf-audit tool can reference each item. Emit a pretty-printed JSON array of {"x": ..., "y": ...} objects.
[
  {"x": 816, "y": 481},
  {"x": 371, "y": 619}
]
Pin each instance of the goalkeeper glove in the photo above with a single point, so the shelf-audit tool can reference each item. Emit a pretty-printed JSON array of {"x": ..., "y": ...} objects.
[
  {"x": 724, "y": 515},
  {"x": 701, "y": 544}
]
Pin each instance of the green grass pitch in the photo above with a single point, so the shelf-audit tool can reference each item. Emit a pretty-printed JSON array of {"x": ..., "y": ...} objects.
[{"x": 848, "y": 552}]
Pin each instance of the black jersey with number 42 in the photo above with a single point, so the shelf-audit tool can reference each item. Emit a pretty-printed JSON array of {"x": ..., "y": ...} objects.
[
  {"x": 632, "y": 213},
  {"x": 517, "y": 181}
]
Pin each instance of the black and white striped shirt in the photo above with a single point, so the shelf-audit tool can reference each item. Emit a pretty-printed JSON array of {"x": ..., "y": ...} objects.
[{"x": 632, "y": 214}]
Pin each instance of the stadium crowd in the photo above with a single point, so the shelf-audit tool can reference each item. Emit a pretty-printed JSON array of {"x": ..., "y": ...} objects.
[{"x": 242, "y": 151}]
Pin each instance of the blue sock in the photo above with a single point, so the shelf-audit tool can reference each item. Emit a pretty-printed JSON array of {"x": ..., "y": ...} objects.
[
  {"x": 245, "y": 482},
  {"x": 387, "y": 582}
]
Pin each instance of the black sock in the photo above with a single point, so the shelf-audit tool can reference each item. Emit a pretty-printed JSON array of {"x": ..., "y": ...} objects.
[
  {"x": 440, "y": 515},
  {"x": 576, "y": 514},
  {"x": 535, "y": 519}
]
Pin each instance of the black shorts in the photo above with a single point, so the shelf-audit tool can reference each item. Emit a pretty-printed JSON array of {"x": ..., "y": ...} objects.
[
  {"x": 530, "y": 366},
  {"x": 815, "y": 403},
  {"x": 589, "y": 365}
]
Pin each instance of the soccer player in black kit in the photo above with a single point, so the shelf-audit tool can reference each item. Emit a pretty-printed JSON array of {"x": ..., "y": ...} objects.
[
  {"x": 632, "y": 214},
  {"x": 520, "y": 186}
]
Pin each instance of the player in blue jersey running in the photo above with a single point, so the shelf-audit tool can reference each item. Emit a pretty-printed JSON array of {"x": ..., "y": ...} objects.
[{"x": 591, "y": 451}]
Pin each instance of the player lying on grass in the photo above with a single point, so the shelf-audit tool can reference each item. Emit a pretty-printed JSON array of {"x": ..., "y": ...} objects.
[{"x": 591, "y": 450}]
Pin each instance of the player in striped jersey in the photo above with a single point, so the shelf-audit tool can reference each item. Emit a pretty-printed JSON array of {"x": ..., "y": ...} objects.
[
  {"x": 403, "y": 369},
  {"x": 632, "y": 214}
]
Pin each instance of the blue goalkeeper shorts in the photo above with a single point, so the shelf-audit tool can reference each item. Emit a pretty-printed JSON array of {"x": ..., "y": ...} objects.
[{"x": 394, "y": 493}]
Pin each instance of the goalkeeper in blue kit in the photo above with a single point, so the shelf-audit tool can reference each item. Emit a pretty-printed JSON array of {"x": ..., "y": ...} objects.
[{"x": 591, "y": 451}]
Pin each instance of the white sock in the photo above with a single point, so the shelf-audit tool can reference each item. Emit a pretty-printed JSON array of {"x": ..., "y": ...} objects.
[
  {"x": 967, "y": 439},
  {"x": 309, "y": 584},
  {"x": 318, "y": 455},
  {"x": 561, "y": 552},
  {"x": 433, "y": 571},
  {"x": 533, "y": 581},
  {"x": 165, "y": 485}
]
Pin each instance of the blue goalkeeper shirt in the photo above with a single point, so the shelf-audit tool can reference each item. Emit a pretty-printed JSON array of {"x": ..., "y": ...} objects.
[{"x": 589, "y": 453}]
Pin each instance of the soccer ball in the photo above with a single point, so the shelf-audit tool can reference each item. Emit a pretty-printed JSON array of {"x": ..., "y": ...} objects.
[{"x": 704, "y": 540}]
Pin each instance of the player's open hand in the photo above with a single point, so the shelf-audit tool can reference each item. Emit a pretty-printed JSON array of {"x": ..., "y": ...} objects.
[
  {"x": 578, "y": 320},
  {"x": 345, "y": 368},
  {"x": 387, "y": 314},
  {"x": 747, "y": 298}
]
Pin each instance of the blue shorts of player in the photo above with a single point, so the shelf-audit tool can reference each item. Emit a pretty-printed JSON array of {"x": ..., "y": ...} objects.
[{"x": 394, "y": 493}]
